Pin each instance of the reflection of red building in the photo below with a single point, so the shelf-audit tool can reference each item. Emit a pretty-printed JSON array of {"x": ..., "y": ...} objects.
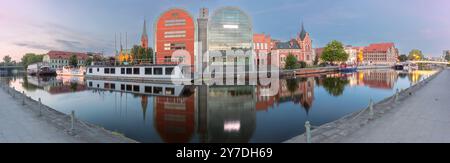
[
  {"x": 377, "y": 79},
  {"x": 174, "y": 31},
  {"x": 175, "y": 118},
  {"x": 298, "y": 91}
]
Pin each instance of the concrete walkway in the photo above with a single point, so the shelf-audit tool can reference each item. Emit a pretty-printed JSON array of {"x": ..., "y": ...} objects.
[
  {"x": 19, "y": 125},
  {"x": 31, "y": 123},
  {"x": 421, "y": 118}
]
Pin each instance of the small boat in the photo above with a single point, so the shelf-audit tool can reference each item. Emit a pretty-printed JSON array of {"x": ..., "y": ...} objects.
[
  {"x": 46, "y": 71},
  {"x": 348, "y": 68},
  {"x": 71, "y": 71}
]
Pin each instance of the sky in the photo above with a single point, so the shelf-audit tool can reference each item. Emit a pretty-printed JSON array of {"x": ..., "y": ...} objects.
[{"x": 38, "y": 26}]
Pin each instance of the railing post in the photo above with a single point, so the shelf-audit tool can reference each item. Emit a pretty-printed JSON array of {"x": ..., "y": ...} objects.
[
  {"x": 396, "y": 95},
  {"x": 72, "y": 118},
  {"x": 371, "y": 109},
  {"x": 40, "y": 107},
  {"x": 23, "y": 99},
  {"x": 308, "y": 131}
]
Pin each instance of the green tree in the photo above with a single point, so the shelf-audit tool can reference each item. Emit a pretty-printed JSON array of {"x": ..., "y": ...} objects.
[
  {"x": 141, "y": 54},
  {"x": 316, "y": 60},
  {"x": 334, "y": 52},
  {"x": 302, "y": 64},
  {"x": 73, "y": 61},
  {"x": 447, "y": 57},
  {"x": 31, "y": 58},
  {"x": 415, "y": 55},
  {"x": 89, "y": 61},
  {"x": 7, "y": 59},
  {"x": 403, "y": 58},
  {"x": 291, "y": 62}
]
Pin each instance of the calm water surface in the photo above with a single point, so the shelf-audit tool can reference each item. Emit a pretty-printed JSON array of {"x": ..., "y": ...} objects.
[{"x": 202, "y": 114}]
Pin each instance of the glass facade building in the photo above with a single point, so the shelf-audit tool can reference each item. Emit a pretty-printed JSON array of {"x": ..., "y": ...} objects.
[
  {"x": 230, "y": 39},
  {"x": 229, "y": 28}
]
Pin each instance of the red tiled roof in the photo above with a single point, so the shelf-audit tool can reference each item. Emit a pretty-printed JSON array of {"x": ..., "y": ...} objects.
[
  {"x": 66, "y": 55},
  {"x": 381, "y": 47}
]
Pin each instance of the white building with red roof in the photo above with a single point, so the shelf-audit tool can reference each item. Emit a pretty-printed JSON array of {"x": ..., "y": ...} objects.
[
  {"x": 59, "y": 59},
  {"x": 380, "y": 54}
]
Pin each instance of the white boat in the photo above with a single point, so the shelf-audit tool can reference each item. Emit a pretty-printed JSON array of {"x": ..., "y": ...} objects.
[{"x": 71, "y": 71}]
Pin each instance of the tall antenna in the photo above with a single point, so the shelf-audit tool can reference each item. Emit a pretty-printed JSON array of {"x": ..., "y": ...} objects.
[{"x": 115, "y": 49}]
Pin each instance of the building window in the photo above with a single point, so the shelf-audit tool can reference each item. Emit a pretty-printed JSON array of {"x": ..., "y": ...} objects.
[
  {"x": 148, "y": 89},
  {"x": 175, "y": 34},
  {"x": 158, "y": 71},
  {"x": 169, "y": 71},
  {"x": 175, "y": 22},
  {"x": 175, "y": 46},
  {"x": 170, "y": 91},
  {"x": 136, "y": 71},
  {"x": 136, "y": 88},
  {"x": 129, "y": 87},
  {"x": 167, "y": 59},
  {"x": 148, "y": 71},
  {"x": 90, "y": 84},
  {"x": 157, "y": 90}
]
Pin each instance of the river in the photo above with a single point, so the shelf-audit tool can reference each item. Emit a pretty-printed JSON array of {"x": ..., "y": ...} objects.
[{"x": 215, "y": 114}]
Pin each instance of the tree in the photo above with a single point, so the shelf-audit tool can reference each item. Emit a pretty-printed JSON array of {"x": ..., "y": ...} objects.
[
  {"x": 7, "y": 59},
  {"x": 415, "y": 55},
  {"x": 302, "y": 64},
  {"x": 291, "y": 62},
  {"x": 334, "y": 52},
  {"x": 31, "y": 58},
  {"x": 403, "y": 58},
  {"x": 89, "y": 61},
  {"x": 73, "y": 61},
  {"x": 447, "y": 57},
  {"x": 316, "y": 60}
]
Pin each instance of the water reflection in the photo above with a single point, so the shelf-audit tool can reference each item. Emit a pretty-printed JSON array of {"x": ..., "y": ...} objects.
[{"x": 219, "y": 114}]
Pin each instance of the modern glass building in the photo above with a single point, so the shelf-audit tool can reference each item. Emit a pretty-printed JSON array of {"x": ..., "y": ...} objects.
[
  {"x": 230, "y": 38},
  {"x": 229, "y": 28}
]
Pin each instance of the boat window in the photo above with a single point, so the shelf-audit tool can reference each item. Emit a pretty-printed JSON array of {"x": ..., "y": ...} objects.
[
  {"x": 129, "y": 71},
  {"x": 98, "y": 70},
  {"x": 157, "y": 90},
  {"x": 148, "y": 71},
  {"x": 129, "y": 87},
  {"x": 122, "y": 71},
  {"x": 122, "y": 87},
  {"x": 136, "y": 88},
  {"x": 90, "y": 84},
  {"x": 136, "y": 71},
  {"x": 113, "y": 71},
  {"x": 90, "y": 70},
  {"x": 148, "y": 89},
  {"x": 106, "y": 70},
  {"x": 113, "y": 86},
  {"x": 170, "y": 91},
  {"x": 169, "y": 71},
  {"x": 158, "y": 71},
  {"x": 106, "y": 85}
]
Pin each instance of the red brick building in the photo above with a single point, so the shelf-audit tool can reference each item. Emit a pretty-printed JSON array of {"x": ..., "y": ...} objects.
[
  {"x": 300, "y": 47},
  {"x": 175, "y": 35},
  {"x": 262, "y": 44},
  {"x": 380, "y": 54}
]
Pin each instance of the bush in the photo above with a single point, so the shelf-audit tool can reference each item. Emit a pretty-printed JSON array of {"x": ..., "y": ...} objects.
[{"x": 302, "y": 64}]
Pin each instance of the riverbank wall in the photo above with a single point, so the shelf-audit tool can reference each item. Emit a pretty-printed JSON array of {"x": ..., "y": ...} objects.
[
  {"x": 333, "y": 131},
  {"x": 69, "y": 124}
]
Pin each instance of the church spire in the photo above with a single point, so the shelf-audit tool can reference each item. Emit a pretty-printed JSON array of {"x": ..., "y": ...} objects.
[
  {"x": 303, "y": 32},
  {"x": 144, "y": 37}
]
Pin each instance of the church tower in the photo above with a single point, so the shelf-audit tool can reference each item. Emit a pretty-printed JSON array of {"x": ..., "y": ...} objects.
[
  {"x": 305, "y": 42},
  {"x": 144, "y": 37}
]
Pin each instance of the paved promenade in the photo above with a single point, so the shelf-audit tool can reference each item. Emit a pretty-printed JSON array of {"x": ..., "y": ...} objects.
[
  {"x": 23, "y": 124},
  {"x": 421, "y": 114},
  {"x": 421, "y": 118}
]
